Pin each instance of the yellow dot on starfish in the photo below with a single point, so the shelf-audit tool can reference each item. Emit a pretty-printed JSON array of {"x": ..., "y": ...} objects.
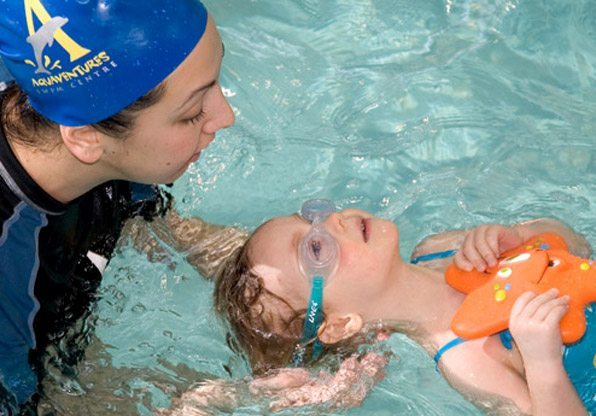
[
  {"x": 584, "y": 266},
  {"x": 529, "y": 247},
  {"x": 500, "y": 295},
  {"x": 496, "y": 286}
]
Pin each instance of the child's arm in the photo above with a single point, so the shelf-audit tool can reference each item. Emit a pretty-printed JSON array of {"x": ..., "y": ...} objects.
[{"x": 534, "y": 325}]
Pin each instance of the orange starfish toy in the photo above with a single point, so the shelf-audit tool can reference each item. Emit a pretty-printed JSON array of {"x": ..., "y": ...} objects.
[{"x": 541, "y": 263}]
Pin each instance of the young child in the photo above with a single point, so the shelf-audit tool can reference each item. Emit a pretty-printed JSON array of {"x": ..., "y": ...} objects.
[{"x": 279, "y": 277}]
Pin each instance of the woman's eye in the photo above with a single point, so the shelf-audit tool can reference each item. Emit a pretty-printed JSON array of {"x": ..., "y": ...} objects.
[{"x": 196, "y": 118}]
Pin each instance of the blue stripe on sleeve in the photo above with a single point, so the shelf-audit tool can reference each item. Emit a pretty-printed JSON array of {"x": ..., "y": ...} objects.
[{"x": 19, "y": 263}]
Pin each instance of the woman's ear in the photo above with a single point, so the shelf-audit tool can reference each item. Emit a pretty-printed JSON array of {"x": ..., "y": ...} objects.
[
  {"x": 83, "y": 142},
  {"x": 339, "y": 327}
]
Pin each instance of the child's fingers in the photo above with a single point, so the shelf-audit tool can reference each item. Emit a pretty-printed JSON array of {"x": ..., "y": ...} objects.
[
  {"x": 480, "y": 248},
  {"x": 520, "y": 303},
  {"x": 539, "y": 301},
  {"x": 488, "y": 250},
  {"x": 493, "y": 238},
  {"x": 462, "y": 262},
  {"x": 471, "y": 252},
  {"x": 462, "y": 259},
  {"x": 535, "y": 302},
  {"x": 284, "y": 379},
  {"x": 557, "y": 313},
  {"x": 546, "y": 308}
]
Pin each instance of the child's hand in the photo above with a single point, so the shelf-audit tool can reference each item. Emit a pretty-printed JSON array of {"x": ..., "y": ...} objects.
[
  {"x": 484, "y": 244},
  {"x": 534, "y": 325}
]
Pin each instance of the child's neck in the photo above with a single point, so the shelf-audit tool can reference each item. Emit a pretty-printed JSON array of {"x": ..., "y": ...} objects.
[{"x": 420, "y": 296}]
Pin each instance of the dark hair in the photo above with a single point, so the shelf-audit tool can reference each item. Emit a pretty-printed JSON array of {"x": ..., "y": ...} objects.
[{"x": 25, "y": 125}]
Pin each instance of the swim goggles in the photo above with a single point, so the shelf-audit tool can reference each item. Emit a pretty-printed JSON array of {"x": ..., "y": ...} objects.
[{"x": 318, "y": 255}]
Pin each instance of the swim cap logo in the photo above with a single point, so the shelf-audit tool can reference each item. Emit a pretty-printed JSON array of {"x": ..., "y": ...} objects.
[
  {"x": 53, "y": 28},
  {"x": 45, "y": 37}
]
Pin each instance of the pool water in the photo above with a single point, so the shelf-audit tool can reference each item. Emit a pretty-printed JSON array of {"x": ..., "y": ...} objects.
[{"x": 435, "y": 114}]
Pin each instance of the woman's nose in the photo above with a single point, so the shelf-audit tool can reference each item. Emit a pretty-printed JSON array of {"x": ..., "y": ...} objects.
[{"x": 223, "y": 115}]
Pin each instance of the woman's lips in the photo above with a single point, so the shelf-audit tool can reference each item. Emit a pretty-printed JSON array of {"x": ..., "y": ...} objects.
[{"x": 195, "y": 157}]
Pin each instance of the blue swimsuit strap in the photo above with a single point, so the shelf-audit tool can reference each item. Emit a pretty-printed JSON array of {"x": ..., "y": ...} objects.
[
  {"x": 504, "y": 335},
  {"x": 453, "y": 343},
  {"x": 434, "y": 256}
]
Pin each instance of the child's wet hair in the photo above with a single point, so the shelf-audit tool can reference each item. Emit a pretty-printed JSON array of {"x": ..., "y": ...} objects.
[{"x": 255, "y": 315}]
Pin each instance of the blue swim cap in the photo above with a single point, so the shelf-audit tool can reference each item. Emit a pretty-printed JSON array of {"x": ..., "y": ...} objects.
[{"x": 82, "y": 61}]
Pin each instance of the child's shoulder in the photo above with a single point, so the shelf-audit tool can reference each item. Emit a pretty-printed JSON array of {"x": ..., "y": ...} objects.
[
  {"x": 436, "y": 250},
  {"x": 483, "y": 368}
]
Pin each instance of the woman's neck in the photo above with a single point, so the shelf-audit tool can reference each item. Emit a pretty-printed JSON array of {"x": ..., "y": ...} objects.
[
  {"x": 420, "y": 296},
  {"x": 57, "y": 171}
]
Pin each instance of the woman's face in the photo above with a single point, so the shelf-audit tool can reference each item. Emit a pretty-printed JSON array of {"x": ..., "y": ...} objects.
[
  {"x": 170, "y": 135},
  {"x": 368, "y": 254}
]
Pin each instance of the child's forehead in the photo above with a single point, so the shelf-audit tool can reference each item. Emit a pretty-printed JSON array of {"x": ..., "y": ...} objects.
[
  {"x": 280, "y": 223},
  {"x": 275, "y": 234},
  {"x": 273, "y": 251}
]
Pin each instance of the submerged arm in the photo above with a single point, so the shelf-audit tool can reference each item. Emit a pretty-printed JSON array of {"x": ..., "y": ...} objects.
[
  {"x": 288, "y": 387},
  {"x": 204, "y": 245},
  {"x": 480, "y": 246},
  {"x": 577, "y": 243}
]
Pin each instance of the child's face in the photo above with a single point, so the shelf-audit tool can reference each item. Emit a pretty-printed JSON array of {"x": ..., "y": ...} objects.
[{"x": 368, "y": 253}]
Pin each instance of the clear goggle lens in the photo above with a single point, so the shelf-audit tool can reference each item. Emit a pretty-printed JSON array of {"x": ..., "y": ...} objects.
[{"x": 318, "y": 249}]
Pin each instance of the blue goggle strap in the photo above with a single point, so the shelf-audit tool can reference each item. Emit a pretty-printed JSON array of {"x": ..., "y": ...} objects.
[{"x": 312, "y": 323}]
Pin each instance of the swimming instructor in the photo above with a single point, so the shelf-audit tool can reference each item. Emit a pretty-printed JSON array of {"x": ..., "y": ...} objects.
[{"x": 110, "y": 97}]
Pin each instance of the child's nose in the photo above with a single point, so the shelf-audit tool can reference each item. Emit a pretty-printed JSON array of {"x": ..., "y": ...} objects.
[{"x": 333, "y": 222}]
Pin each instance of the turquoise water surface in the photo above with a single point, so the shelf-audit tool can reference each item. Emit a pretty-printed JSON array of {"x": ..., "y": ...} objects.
[{"x": 435, "y": 114}]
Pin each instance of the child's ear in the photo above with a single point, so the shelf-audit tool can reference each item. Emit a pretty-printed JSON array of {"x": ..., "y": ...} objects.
[
  {"x": 83, "y": 142},
  {"x": 339, "y": 327}
]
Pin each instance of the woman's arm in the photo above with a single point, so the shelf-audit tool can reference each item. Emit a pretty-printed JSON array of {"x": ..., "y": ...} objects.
[
  {"x": 577, "y": 243},
  {"x": 484, "y": 244},
  {"x": 286, "y": 388},
  {"x": 204, "y": 245},
  {"x": 480, "y": 247},
  {"x": 534, "y": 325}
]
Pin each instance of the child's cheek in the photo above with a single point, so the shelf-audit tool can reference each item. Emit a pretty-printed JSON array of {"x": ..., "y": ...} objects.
[{"x": 356, "y": 262}]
